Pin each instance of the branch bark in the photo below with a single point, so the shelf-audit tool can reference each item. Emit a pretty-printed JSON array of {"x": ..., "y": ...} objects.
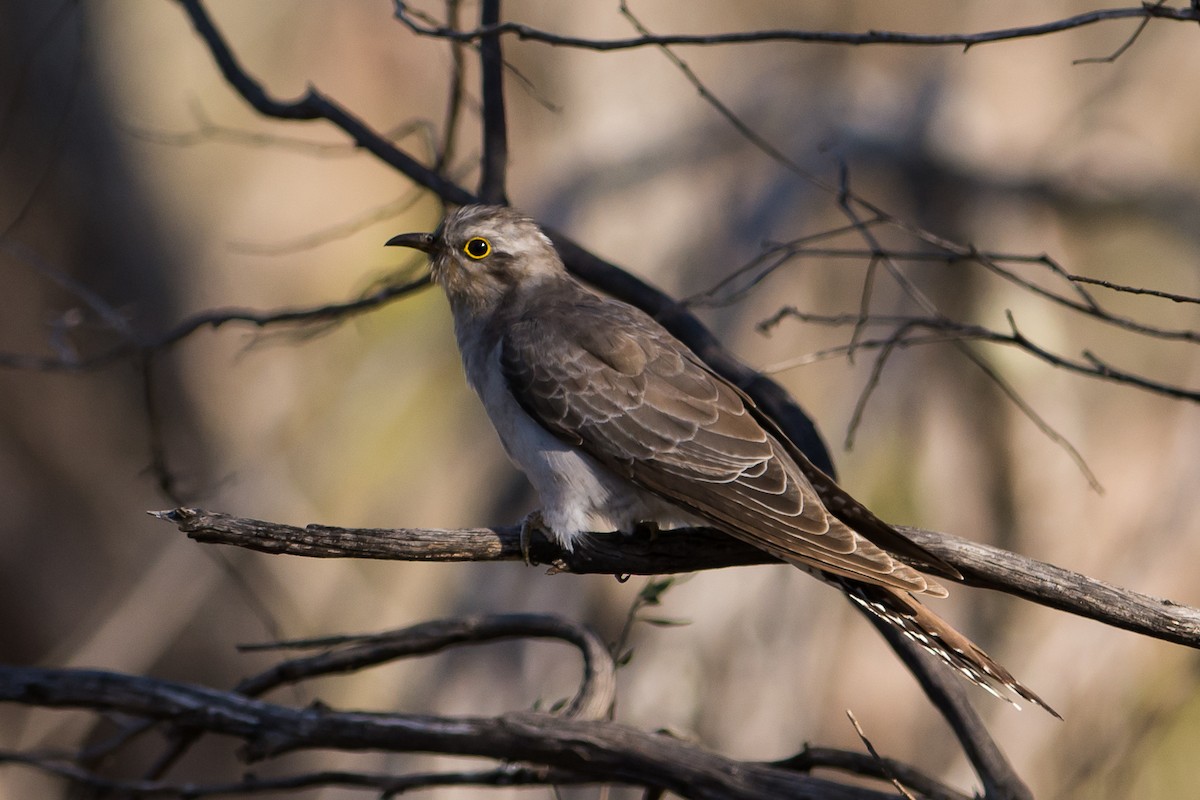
[
  {"x": 602, "y": 751},
  {"x": 693, "y": 550}
]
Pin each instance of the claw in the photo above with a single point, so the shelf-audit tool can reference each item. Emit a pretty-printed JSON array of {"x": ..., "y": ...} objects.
[{"x": 532, "y": 523}]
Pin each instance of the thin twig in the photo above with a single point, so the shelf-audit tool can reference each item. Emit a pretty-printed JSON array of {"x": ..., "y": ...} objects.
[
  {"x": 950, "y": 331},
  {"x": 208, "y": 131},
  {"x": 454, "y": 95},
  {"x": 862, "y": 737},
  {"x": 217, "y": 318},
  {"x": 874, "y": 37},
  {"x": 593, "y": 700},
  {"x": 1118, "y": 287},
  {"x": 1128, "y": 43}
]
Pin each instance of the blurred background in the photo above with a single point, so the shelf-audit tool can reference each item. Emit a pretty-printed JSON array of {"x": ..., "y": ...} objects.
[{"x": 129, "y": 169}]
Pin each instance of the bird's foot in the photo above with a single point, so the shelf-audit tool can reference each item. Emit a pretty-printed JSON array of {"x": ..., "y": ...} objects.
[{"x": 533, "y": 523}]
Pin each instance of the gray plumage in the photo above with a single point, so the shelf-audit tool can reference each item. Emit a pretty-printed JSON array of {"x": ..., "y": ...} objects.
[{"x": 617, "y": 424}]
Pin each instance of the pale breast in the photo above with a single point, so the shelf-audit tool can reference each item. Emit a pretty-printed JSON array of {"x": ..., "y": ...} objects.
[{"x": 577, "y": 493}]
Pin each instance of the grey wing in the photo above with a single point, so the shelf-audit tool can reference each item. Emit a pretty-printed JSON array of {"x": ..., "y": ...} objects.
[{"x": 606, "y": 377}]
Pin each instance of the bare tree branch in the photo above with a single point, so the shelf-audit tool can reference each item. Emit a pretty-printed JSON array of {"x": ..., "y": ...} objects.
[
  {"x": 865, "y": 764},
  {"x": 947, "y": 330},
  {"x": 347, "y": 653},
  {"x": 594, "y": 699},
  {"x": 314, "y": 105},
  {"x": 691, "y": 550},
  {"x": 494, "y": 178},
  {"x": 965, "y": 40},
  {"x": 454, "y": 95},
  {"x": 603, "y": 752},
  {"x": 1128, "y": 43},
  {"x": 215, "y": 318},
  {"x": 386, "y": 785}
]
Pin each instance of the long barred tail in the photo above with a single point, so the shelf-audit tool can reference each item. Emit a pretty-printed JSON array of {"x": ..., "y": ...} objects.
[{"x": 927, "y": 629}]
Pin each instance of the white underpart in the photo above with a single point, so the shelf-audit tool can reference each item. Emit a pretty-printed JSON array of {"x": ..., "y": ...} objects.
[{"x": 578, "y": 494}]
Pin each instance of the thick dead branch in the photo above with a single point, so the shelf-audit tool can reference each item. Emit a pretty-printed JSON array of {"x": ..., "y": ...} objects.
[
  {"x": 383, "y": 784},
  {"x": 693, "y": 550},
  {"x": 603, "y": 752}
]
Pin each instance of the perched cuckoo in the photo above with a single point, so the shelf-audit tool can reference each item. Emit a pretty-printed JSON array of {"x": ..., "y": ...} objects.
[{"x": 619, "y": 425}]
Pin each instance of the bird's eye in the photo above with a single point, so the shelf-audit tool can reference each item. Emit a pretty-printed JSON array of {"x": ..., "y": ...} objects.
[{"x": 477, "y": 247}]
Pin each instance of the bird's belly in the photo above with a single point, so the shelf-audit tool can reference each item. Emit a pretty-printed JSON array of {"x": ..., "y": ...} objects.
[{"x": 577, "y": 493}]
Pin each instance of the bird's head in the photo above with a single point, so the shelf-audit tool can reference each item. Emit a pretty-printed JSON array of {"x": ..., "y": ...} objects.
[{"x": 480, "y": 254}]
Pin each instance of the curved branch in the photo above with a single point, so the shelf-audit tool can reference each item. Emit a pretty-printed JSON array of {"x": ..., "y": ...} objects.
[
  {"x": 143, "y": 346},
  {"x": 312, "y": 106},
  {"x": 692, "y": 550},
  {"x": 593, "y": 700}
]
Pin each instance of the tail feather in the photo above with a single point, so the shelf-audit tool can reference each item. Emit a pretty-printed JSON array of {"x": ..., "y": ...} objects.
[{"x": 927, "y": 629}]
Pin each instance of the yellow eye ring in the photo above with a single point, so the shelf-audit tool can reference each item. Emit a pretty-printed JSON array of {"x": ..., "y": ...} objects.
[{"x": 477, "y": 248}]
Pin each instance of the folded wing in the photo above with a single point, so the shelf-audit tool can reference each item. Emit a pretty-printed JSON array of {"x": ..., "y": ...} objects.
[{"x": 600, "y": 374}]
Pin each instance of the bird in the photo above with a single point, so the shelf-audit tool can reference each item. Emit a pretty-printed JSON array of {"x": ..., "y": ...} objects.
[{"x": 619, "y": 426}]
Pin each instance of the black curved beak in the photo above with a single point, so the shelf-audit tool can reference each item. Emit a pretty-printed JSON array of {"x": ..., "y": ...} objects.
[{"x": 425, "y": 242}]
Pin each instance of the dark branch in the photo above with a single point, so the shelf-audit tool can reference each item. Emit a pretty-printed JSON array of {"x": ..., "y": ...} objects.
[
  {"x": 966, "y": 40},
  {"x": 593, "y": 700},
  {"x": 603, "y": 752},
  {"x": 693, "y": 550},
  {"x": 313, "y": 106},
  {"x": 216, "y": 318},
  {"x": 495, "y": 127},
  {"x": 947, "y": 330},
  {"x": 342, "y": 654},
  {"x": 1120, "y": 287},
  {"x": 856, "y": 763},
  {"x": 385, "y": 785}
]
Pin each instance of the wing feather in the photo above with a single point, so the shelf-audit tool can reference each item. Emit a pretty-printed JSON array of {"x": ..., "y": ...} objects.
[{"x": 604, "y": 376}]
